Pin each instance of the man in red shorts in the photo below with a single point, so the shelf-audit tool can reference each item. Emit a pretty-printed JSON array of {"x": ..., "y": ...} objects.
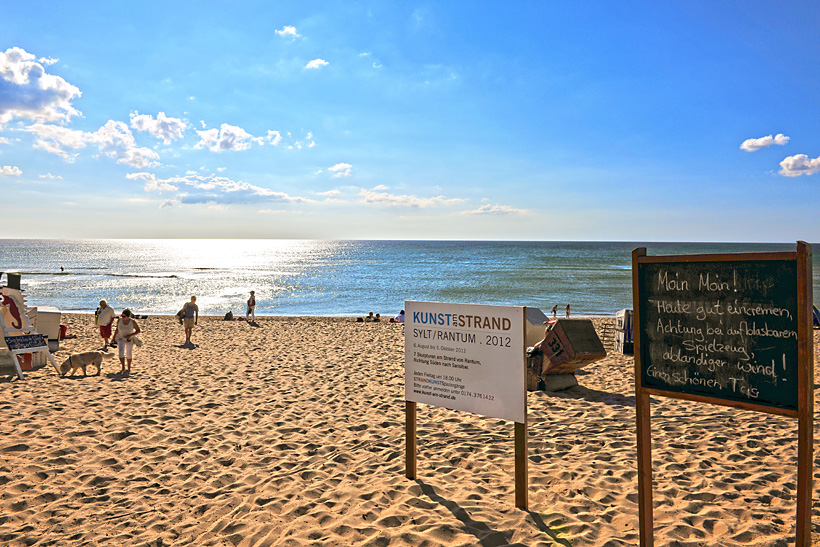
[{"x": 104, "y": 317}]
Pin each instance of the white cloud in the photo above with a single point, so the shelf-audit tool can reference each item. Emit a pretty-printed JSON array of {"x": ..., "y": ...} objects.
[
  {"x": 750, "y": 145},
  {"x": 4, "y": 140},
  {"x": 495, "y": 210},
  {"x": 153, "y": 184},
  {"x": 341, "y": 169},
  {"x": 116, "y": 141},
  {"x": 227, "y": 137},
  {"x": 381, "y": 188},
  {"x": 213, "y": 190},
  {"x": 288, "y": 32},
  {"x": 54, "y": 139},
  {"x": 168, "y": 203},
  {"x": 273, "y": 138},
  {"x": 10, "y": 170},
  {"x": 801, "y": 164},
  {"x": 298, "y": 144},
  {"x": 316, "y": 63},
  {"x": 329, "y": 193},
  {"x": 392, "y": 200},
  {"x": 164, "y": 128},
  {"x": 28, "y": 91},
  {"x": 376, "y": 63},
  {"x": 50, "y": 176}
]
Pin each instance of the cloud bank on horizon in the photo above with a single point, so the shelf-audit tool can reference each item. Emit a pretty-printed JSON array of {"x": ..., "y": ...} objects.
[{"x": 366, "y": 128}]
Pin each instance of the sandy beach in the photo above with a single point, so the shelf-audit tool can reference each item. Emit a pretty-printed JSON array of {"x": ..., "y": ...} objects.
[{"x": 292, "y": 433}]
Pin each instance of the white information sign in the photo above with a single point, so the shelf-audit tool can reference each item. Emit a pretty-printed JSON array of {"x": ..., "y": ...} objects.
[{"x": 466, "y": 357}]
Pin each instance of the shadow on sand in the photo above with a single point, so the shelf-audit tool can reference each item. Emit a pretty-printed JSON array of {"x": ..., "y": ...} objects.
[
  {"x": 485, "y": 535},
  {"x": 186, "y": 345},
  {"x": 591, "y": 395},
  {"x": 118, "y": 376}
]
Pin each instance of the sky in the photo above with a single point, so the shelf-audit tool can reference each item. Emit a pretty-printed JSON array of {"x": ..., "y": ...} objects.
[{"x": 514, "y": 120}]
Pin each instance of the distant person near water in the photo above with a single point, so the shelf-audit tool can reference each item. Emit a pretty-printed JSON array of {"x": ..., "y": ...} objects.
[
  {"x": 370, "y": 318},
  {"x": 398, "y": 319},
  {"x": 555, "y": 311},
  {"x": 103, "y": 318},
  {"x": 250, "y": 315},
  {"x": 190, "y": 317},
  {"x": 567, "y": 310},
  {"x": 125, "y": 333}
]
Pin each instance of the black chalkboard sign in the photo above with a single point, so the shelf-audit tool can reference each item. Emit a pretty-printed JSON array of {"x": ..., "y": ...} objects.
[
  {"x": 26, "y": 341},
  {"x": 728, "y": 329},
  {"x": 720, "y": 328}
]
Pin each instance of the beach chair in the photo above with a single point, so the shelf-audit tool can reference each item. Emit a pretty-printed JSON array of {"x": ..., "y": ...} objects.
[{"x": 19, "y": 334}]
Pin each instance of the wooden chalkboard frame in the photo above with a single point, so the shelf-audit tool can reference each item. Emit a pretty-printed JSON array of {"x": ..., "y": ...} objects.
[{"x": 804, "y": 412}]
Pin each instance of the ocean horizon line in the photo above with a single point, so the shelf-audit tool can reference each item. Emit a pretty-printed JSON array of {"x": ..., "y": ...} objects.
[{"x": 425, "y": 240}]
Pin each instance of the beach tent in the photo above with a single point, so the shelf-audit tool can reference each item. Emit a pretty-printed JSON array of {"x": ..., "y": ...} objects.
[{"x": 815, "y": 313}]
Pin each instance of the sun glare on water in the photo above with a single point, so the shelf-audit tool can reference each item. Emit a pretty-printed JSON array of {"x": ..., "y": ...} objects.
[{"x": 232, "y": 254}]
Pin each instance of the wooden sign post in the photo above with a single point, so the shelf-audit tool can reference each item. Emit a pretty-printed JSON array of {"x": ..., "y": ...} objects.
[
  {"x": 725, "y": 329},
  {"x": 469, "y": 358}
]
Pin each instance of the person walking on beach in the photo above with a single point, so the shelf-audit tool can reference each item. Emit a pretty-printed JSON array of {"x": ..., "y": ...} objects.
[
  {"x": 124, "y": 334},
  {"x": 567, "y": 310},
  {"x": 555, "y": 311},
  {"x": 251, "y": 307},
  {"x": 103, "y": 318},
  {"x": 190, "y": 317}
]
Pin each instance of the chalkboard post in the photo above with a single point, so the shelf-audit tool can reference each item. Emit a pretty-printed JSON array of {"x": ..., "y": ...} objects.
[
  {"x": 644, "y": 432},
  {"x": 726, "y": 329},
  {"x": 805, "y": 432}
]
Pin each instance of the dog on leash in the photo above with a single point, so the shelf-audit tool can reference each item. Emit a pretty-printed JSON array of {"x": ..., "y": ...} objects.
[{"x": 77, "y": 361}]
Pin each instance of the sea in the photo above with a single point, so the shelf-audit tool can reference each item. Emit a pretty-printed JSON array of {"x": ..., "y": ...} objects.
[{"x": 334, "y": 277}]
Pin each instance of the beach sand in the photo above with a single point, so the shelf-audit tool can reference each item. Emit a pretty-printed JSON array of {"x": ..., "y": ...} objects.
[{"x": 292, "y": 433}]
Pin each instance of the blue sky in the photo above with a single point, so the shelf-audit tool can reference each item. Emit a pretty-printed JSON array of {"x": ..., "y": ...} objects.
[{"x": 636, "y": 121}]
